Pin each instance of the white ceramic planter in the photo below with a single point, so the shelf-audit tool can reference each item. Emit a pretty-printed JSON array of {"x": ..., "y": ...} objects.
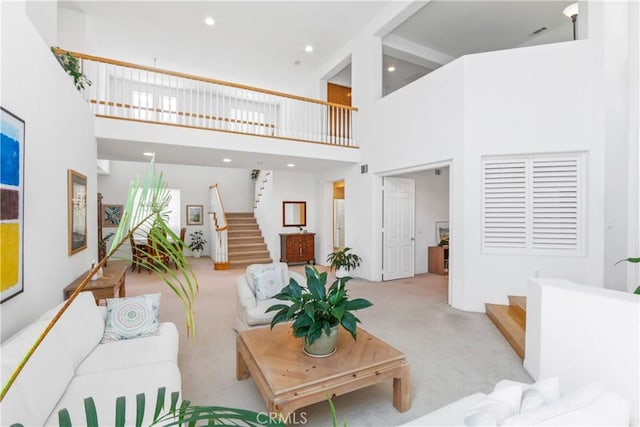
[
  {"x": 323, "y": 346},
  {"x": 197, "y": 253}
]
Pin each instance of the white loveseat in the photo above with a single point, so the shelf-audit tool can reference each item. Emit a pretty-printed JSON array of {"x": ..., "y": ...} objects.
[
  {"x": 513, "y": 404},
  {"x": 71, "y": 365},
  {"x": 250, "y": 309}
]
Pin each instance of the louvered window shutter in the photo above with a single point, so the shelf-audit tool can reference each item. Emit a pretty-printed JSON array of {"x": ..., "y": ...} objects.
[
  {"x": 555, "y": 202},
  {"x": 532, "y": 205},
  {"x": 504, "y": 203}
]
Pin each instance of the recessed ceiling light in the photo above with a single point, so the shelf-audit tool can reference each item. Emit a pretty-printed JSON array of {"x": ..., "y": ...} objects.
[
  {"x": 226, "y": 160},
  {"x": 291, "y": 165},
  {"x": 391, "y": 68},
  {"x": 209, "y": 21},
  {"x": 148, "y": 154},
  {"x": 308, "y": 48}
]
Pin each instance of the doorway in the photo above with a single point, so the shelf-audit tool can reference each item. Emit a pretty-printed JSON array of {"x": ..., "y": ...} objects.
[
  {"x": 339, "y": 121},
  {"x": 430, "y": 221},
  {"x": 338, "y": 215}
]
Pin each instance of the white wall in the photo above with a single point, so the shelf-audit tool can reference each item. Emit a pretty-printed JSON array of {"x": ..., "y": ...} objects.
[
  {"x": 286, "y": 186},
  {"x": 236, "y": 188},
  {"x": 431, "y": 204},
  {"x": 584, "y": 334},
  {"x": 511, "y": 107},
  {"x": 58, "y": 136}
]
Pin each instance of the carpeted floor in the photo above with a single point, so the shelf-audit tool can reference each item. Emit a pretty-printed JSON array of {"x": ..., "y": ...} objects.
[{"x": 451, "y": 353}]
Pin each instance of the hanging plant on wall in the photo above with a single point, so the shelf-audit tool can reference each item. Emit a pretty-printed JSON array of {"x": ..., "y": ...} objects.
[{"x": 72, "y": 66}]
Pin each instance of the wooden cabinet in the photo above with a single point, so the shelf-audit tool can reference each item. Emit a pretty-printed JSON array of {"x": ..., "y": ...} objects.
[
  {"x": 439, "y": 260},
  {"x": 297, "y": 248}
]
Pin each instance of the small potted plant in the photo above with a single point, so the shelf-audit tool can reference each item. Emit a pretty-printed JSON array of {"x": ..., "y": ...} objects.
[
  {"x": 342, "y": 262},
  {"x": 317, "y": 311},
  {"x": 196, "y": 243}
]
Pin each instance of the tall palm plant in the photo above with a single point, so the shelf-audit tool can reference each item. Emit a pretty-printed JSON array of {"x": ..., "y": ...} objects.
[{"x": 145, "y": 209}]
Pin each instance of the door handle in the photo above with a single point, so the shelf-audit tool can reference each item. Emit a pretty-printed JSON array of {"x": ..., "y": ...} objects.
[{"x": 413, "y": 239}]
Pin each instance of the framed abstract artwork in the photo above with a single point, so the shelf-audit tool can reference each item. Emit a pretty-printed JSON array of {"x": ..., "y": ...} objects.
[
  {"x": 11, "y": 204},
  {"x": 194, "y": 214},
  {"x": 111, "y": 215},
  {"x": 77, "y": 202}
]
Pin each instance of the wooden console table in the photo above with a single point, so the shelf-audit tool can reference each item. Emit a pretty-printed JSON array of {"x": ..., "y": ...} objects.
[{"x": 110, "y": 286}]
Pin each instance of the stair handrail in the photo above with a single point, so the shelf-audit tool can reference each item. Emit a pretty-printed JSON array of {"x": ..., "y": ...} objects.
[
  {"x": 79, "y": 55},
  {"x": 220, "y": 250},
  {"x": 126, "y": 91}
]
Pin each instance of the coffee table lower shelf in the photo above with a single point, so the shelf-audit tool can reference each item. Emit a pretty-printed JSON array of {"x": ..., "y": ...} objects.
[{"x": 288, "y": 379}]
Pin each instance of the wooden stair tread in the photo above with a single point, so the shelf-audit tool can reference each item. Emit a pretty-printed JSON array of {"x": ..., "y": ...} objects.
[
  {"x": 245, "y": 242},
  {"x": 518, "y": 303},
  {"x": 511, "y": 323}
]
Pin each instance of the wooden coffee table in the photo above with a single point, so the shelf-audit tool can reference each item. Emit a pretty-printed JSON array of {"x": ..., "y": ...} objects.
[{"x": 288, "y": 379}]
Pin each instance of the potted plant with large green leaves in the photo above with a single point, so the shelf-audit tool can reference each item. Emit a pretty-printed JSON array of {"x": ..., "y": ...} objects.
[
  {"x": 634, "y": 260},
  {"x": 342, "y": 262},
  {"x": 317, "y": 311}
]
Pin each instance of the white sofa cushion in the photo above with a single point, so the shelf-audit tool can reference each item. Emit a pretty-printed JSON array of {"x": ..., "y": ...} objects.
[
  {"x": 450, "y": 415},
  {"x": 81, "y": 326},
  {"x": 131, "y": 353},
  {"x": 268, "y": 283},
  {"x": 589, "y": 405},
  {"x": 497, "y": 406},
  {"x": 131, "y": 317},
  {"x": 254, "y": 269},
  {"x": 43, "y": 380},
  {"x": 106, "y": 386}
]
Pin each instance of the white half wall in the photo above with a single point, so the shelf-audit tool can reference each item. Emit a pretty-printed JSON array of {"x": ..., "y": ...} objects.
[
  {"x": 584, "y": 334},
  {"x": 58, "y": 136},
  {"x": 236, "y": 189}
]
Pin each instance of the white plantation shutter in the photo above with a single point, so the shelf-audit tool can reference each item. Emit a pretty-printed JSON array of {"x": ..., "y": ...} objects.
[
  {"x": 532, "y": 205},
  {"x": 555, "y": 203},
  {"x": 504, "y": 203}
]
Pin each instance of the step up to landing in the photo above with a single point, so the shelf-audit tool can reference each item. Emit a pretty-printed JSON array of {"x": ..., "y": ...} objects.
[{"x": 511, "y": 321}]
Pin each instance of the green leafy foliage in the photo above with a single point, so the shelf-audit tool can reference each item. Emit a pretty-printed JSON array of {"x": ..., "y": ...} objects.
[
  {"x": 315, "y": 308},
  {"x": 175, "y": 415},
  {"x": 73, "y": 67},
  {"x": 196, "y": 241},
  {"x": 342, "y": 258},
  {"x": 635, "y": 260}
]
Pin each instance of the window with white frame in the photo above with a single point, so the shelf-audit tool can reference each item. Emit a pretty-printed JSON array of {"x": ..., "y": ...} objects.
[
  {"x": 533, "y": 204},
  {"x": 169, "y": 109},
  {"x": 172, "y": 212},
  {"x": 247, "y": 120},
  {"x": 141, "y": 105}
]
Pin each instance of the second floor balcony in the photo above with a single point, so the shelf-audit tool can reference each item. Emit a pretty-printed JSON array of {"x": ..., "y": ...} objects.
[{"x": 145, "y": 96}]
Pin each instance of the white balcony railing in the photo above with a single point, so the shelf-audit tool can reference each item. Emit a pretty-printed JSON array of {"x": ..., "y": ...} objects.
[{"x": 134, "y": 92}]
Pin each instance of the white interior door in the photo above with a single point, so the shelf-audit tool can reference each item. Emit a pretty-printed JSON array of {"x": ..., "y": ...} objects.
[
  {"x": 398, "y": 241},
  {"x": 338, "y": 223}
]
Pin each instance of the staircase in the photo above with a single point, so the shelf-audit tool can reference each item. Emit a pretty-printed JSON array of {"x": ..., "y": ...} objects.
[
  {"x": 511, "y": 320},
  {"x": 245, "y": 242}
]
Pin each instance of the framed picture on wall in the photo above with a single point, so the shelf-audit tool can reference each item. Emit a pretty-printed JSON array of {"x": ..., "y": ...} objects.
[
  {"x": 12, "y": 206},
  {"x": 77, "y": 200},
  {"x": 194, "y": 214},
  {"x": 442, "y": 232},
  {"x": 111, "y": 215}
]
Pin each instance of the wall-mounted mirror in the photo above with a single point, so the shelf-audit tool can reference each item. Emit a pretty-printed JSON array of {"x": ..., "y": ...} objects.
[{"x": 294, "y": 214}]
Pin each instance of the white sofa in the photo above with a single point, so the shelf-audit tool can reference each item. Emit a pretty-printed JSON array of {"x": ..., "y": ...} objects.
[
  {"x": 590, "y": 405},
  {"x": 250, "y": 310},
  {"x": 71, "y": 365}
]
